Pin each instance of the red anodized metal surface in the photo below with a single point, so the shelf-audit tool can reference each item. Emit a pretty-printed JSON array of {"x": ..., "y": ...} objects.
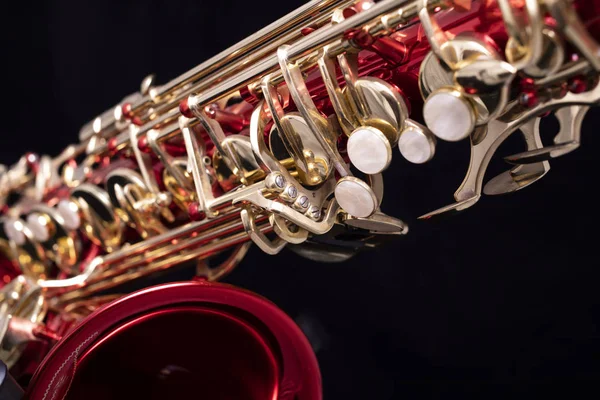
[
  {"x": 178, "y": 340},
  {"x": 213, "y": 339}
]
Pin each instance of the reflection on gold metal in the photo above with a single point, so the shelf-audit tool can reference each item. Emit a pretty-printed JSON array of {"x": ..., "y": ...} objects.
[
  {"x": 472, "y": 58},
  {"x": 158, "y": 260},
  {"x": 248, "y": 172},
  {"x": 31, "y": 265},
  {"x": 74, "y": 175},
  {"x": 377, "y": 223},
  {"x": 269, "y": 162},
  {"x": 493, "y": 135},
  {"x": 521, "y": 176},
  {"x": 317, "y": 166},
  {"x": 81, "y": 309},
  {"x": 346, "y": 118},
  {"x": 284, "y": 179},
  {"x": 60, "y": 243},
  {"x": 217, "y": 136},
  {"x": 292, "y": 141},
  {"x": 65, "y": 253},
  {"x": 567, "y": 139},
  {"x": 265, "y": 244},
  {"x": 181, "y": 196},
  {"x": 525, "y": 43},
  {"x": 214, "y": 273},
  {"x": 293, "y": 131},
  {"x": 288, "y": 232},
  {"x": 552, "y": 57},
  {"x": 387, "y": 110},
  {"x": 30, "y": 255},
  {"x": 299, "y": 92},
  {"x": 100, "y": 222},
  {"x": 21, "y": 298},
  {"x": 138, "y": 209},
  {"x": 176, "y": 177}
]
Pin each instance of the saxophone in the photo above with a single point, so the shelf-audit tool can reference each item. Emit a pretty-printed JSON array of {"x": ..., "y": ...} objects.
[{"x": 280, "y": 140}]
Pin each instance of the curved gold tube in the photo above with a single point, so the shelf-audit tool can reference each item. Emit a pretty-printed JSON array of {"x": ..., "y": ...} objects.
[
  {"x": 282, "y": 230},
  {"x": 291, "y": 141},
  {"x": 62, "y": 243},
  {"x": 299, "y": 92},
  {"x": 348, "y": 63},
  {"x": 526, "y": 44},
  {"x": 267, "y": 245},
  {"x": 217, "y": 136},
  {"x": 195, "y": 154},
  {"x": 346, "y": 117},
  {"x": 263, "y": 155},
  {"x": 223, "y": 269},
  {"x": 166, "y": 159},
  {"x": 435, "y": 34},
  {"x": 77, "y": 280},
  {"x": 143, "y": 161},
  {"x": 268, "y": 161}
]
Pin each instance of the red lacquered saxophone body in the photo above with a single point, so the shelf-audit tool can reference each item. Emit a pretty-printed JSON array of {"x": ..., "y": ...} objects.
[{"x": 278, "y": 141}]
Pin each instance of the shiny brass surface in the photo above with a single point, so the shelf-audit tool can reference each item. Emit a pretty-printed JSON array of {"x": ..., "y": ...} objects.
[
  {"x": 101, "y": 223},
  {"x": 159, "y": 180},
  {"x": 20, "y": 299},
  {"x": 493, "y": 134}
]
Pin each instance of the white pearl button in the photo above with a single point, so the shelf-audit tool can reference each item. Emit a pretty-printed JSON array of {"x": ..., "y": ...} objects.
[
  {"x": 13, "y": 228},
  {"x": 37, "y": 225},
  {"x": 449, "y": 115},
  {"x": 369, "y": 150},
  {"x": 355, "y": 197},
  {"x": 415, "y": 146},
  {"x": 70, "y": 214}
]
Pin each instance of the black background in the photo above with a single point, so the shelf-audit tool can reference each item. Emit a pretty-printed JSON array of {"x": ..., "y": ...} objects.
[{"x": 499, "y": 300}]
